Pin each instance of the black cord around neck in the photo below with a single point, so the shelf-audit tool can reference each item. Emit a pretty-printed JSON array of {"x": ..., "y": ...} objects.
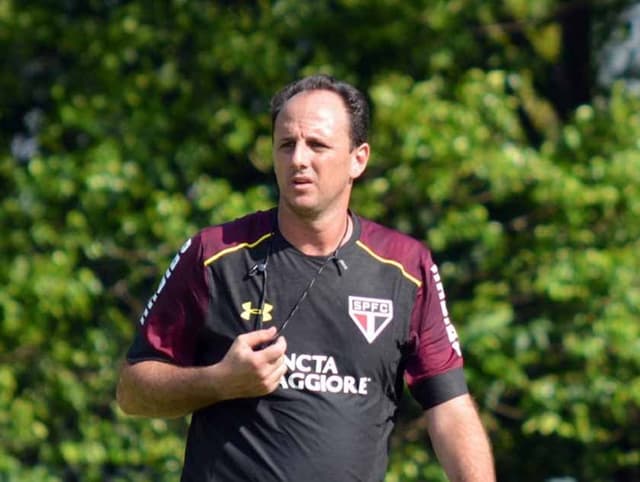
[{"x": 262, "y": 269}]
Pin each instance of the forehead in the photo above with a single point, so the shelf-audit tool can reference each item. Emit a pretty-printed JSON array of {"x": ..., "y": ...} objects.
[{"x": 322, "y": 109}]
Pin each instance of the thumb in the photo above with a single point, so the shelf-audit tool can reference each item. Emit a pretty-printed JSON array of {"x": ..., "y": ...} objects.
[{"x": 258, "y": 337}]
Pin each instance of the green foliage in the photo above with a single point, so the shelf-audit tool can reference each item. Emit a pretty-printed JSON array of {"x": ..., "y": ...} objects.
[
  {"x": 538, "y": 247},
  {"x": 127, "y": 126}
]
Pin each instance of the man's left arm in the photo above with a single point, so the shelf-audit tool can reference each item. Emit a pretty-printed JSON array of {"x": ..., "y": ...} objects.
[{"x": 460, "y": 441}]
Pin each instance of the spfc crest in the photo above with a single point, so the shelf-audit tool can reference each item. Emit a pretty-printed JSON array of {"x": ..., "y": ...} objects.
[{"x": 371, "y": 315}]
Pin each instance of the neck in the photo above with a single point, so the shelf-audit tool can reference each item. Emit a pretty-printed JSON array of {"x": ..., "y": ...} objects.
[{"x": 317, "y": 237}]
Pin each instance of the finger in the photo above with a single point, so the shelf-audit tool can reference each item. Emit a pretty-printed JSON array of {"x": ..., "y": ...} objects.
[
  {"x": 273, "y": 380},
  {"x": 278, "y": 362},
  {"x": 274, "y": 351},
  {"x": 258, "y": 337}
]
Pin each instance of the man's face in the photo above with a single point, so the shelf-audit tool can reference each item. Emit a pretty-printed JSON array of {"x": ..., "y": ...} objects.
[{"x": 314, "y": 162}]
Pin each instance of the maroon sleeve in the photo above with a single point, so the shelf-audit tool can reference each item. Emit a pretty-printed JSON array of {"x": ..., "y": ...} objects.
[
  {"x": 168, "y": 326},
  {"x": 434, "y": 370}
]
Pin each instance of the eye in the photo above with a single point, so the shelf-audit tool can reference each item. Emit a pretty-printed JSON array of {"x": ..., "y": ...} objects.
[
  {"x": 286, "y": 144},
  {"x": 317, "y": 145}
]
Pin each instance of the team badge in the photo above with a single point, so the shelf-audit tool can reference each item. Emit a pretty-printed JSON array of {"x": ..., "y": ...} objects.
[{"x": 371, "y": 315}]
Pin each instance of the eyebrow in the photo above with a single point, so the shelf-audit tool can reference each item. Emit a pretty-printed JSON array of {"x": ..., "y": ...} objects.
[
  {"x": 310, "y": 137},
  {"x": 283, "y": 138}
]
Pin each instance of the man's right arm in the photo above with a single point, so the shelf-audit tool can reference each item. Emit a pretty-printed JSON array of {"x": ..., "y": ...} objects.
[{"x": 158, "y": 389}]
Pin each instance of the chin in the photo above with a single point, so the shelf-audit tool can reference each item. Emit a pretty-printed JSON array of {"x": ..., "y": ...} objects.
[{"x": 303, "y": 210}]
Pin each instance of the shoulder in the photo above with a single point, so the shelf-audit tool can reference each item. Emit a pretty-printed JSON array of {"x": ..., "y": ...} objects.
[
  {"x": 241, "y": 232},
  {"x": 394, "y": 246},
  {"x": 390, "y": 242}
]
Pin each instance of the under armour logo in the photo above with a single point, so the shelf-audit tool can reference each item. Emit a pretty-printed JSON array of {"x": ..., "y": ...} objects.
[{"x": 248, "y": 311}]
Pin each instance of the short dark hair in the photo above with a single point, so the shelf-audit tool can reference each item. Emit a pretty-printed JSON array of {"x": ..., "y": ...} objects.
[{"x": 355, "y": 102}]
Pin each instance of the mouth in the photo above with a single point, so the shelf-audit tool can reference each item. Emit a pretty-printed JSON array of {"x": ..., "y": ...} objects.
[{"x": 300, "y": 181}]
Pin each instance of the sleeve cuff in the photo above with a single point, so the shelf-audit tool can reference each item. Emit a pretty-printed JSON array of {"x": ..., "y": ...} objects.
[{"x": 433, "y": 391}]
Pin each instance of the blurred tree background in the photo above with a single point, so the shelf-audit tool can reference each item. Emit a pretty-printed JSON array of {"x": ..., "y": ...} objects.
[{"x": 125, "y": 126}]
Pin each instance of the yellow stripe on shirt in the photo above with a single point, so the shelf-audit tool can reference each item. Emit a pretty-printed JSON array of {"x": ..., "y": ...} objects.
[
  {"x": 231, "y": 249},
  {"x": 404, "y": 272}
]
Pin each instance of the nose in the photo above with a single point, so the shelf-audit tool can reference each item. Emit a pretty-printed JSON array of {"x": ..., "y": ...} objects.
[{"x": 300, "y": 155}]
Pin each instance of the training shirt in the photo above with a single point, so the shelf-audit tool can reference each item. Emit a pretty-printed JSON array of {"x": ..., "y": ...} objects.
[{"x": 360, "y": 324}]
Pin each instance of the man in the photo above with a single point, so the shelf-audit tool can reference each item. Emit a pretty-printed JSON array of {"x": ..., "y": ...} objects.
[{"x": 288, "y": 333}]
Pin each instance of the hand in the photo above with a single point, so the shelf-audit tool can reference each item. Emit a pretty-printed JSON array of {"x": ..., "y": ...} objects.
[{"x": 250, "y": 371}]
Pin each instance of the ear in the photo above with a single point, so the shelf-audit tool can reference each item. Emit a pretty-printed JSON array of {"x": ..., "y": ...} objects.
[{"x": 359, "y": 159}]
